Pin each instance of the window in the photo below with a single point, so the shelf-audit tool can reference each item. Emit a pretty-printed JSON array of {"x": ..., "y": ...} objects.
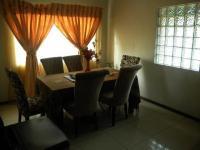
[
  {"x": 178, "y": 37},
  {"x": 55, "y": 44}
]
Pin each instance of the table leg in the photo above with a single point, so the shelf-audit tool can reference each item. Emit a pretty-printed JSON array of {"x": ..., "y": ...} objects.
[{"x": 54, "y": 109}]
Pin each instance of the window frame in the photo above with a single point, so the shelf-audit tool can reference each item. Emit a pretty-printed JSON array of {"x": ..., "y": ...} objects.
[{"x": 195, "y": 36}]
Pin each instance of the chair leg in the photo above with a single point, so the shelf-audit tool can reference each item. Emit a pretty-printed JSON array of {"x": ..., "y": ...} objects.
[
  {"x": 137, "y": 109},
  {"x": 76, "y": 126},
  {"x": 109, "y": 108},
  {"x": 113, "y": 115},
  {"x": 126, "y": 110},
  {"x": 42, "y": 114},
  {"x": 95, "y": 120},
  {"x": 19, "y": 116},
  {"x": 26, "y": 118},
  {"x": 101, "y": 106}
]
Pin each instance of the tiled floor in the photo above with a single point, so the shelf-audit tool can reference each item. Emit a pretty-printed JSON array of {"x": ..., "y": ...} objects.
[{"x": 153, "y": 128}]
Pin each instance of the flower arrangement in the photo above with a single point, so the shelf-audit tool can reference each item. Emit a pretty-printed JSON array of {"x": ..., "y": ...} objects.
[{"x": 88, "y": 54}]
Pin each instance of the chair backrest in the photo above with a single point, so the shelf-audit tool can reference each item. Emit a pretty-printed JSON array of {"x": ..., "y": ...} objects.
[
  {"x": 73, "y": 63},
  {"x": 18, "y": 86},
  {"x": 124, "y": 83},
  {"x": 129, "y": 61},
  {"x": 87, "y": 90},
  {"x": 52, "y": 65}
]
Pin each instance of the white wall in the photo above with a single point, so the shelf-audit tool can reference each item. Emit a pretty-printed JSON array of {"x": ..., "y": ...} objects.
[
  {"x": 133, "y": 32},
  {"x": 7, "y": 43}
]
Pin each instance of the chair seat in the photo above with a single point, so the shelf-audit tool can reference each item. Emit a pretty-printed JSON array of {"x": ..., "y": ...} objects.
[
  {"x": 108, "y": 98},
  {"x": 72, "y": 110},
  {"x": 36, "y": 105}
]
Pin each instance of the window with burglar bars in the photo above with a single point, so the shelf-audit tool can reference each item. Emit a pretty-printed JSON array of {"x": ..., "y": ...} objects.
[{"x": 178, "y": 37}]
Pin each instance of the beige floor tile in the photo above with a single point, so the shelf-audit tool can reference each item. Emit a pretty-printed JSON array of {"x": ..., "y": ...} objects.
[
  {"x": 154, "y": 128},
  {"x": 96, "y": 141},
  {"x": 9, "y": 113}
]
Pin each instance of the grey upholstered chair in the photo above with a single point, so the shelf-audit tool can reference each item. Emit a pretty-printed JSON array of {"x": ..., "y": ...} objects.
[
  {"x": 120, "y": 94},
  {"x": 27, "y": 106},
  {"x": 86, "y": 97},
  {"x": 73, "y": 63},
  {"x": 134, "y": 97},
  {"x": 52, "y": 65}
]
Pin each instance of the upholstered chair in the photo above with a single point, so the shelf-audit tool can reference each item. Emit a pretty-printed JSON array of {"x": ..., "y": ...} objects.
[
  {"x": 52, "y": 65},
  {"x": 86, "y": 96},
  {"x": 119, "y": 96},
  {"x": 127, "y": 61},
  {"x": 73, "y": 63},
  {"x": 27, "y": 106},
  {"x": 134, "y": 97}
]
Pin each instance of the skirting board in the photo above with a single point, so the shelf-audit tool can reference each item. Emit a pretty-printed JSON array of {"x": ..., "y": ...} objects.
[
  {"x": 7, "y": 102},
  {"x": 171, "y": 109}
]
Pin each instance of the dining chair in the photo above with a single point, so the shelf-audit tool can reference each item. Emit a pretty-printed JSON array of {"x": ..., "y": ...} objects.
[
  {"x": 86, "y": 96},
  {"x": 127, "y": 60},
  {"x": 134, "y": 97},
  {"x": 52, "y": 65},
  {"x": 119, "y": 96},
  {"x": 73, "y": 63},
  {"x": 27, "y": 106}
]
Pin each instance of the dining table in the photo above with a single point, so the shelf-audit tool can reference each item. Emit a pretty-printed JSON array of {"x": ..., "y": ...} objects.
[{"x": 57, "y": 90}]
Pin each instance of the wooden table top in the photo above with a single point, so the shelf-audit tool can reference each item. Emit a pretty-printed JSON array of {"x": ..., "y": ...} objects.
[{"x": 57, "y": 82}]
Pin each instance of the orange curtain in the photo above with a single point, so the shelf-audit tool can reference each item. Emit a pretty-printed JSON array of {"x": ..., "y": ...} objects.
[
  {"x": 78, "y": 23},
  {"x": 30, "y": 24}
]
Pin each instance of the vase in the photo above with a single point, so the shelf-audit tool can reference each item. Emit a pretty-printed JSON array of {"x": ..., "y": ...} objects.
[{"x": 87, "y": 68}]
